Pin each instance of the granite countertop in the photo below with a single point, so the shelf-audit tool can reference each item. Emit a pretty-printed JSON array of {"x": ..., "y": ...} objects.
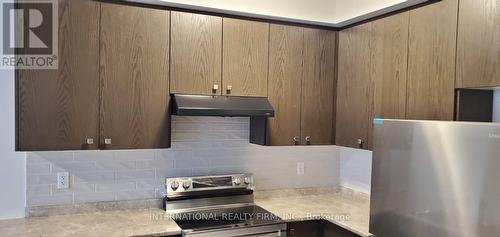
[
  {"x": 343, "y": 207},
  {"x": 152, "y": 222}
]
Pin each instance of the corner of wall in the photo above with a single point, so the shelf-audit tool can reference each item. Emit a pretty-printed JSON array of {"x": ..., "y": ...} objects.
[{"x": 12, "y": 163}]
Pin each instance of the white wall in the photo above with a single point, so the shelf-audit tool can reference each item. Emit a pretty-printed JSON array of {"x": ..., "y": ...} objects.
[
  {"x": 12, "y": 164},
  {"x": 496, "y": 106},
  {"x": 355, "y": 169}
]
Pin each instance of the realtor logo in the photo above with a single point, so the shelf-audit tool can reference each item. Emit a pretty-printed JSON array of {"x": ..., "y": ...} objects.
[{"x": 29, "y": 34}]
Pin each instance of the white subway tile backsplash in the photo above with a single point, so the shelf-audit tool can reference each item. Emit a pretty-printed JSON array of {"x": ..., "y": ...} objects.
[
  {"x": 74, "y": 188},
  {"x": 117, "y": 165},
  {"x": 136, "y": 194},
  {"x": 200, "y": 146},
  {"x": 38, "y": 168},
  {"x": 42, "y": 190},
  {"x": 152, "y": 164},
  {"x": 135, "y": 175},
  {"x": 93, "y": 177},
  {"x": 115, "y": 186},
  {"x": 40, "y": 200},
  {"x": 94, "y": 197}
]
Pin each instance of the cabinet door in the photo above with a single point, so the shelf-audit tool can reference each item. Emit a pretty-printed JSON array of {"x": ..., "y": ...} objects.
[
  {"x": 196, "y": 51},
  {"x": 285, "y": 75},
  {"x": 59, "y": 109},
  {"x": 388, "y": 67},
  {"x": 318, "y": 87},
  {"x": 134, "y": 77},
  {"x": 431, "y": 65},
  {"x": 354, "y": 95},
  {"x": 478, "y": 62},
  {"x": 332, "y": 230},
  {"x": 245, "y": 58},
  {"x": 305, "y": 229}
]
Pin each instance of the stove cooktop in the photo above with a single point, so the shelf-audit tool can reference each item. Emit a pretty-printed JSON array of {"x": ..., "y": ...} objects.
[{"x": 220, "y": 218}]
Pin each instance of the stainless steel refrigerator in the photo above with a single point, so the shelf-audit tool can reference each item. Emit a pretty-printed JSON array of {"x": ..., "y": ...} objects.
[{"x": 435, "y": 179}]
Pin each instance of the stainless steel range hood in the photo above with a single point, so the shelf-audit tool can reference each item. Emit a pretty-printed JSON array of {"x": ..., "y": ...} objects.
[
  {"x": 234, "y": 106},
  {"x": 257, "y": 108}
]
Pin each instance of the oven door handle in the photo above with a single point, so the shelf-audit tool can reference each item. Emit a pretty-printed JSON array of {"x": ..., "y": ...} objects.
[{"x": 277, "y": 230}]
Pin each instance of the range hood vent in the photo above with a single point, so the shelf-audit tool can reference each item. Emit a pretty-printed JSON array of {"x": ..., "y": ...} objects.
[
  {"x": 257, "y": 108},
  {"x": 233, "y": 106}
]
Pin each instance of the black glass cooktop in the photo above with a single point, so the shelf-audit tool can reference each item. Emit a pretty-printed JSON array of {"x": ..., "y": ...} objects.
[{"x": 218, "y": 218}]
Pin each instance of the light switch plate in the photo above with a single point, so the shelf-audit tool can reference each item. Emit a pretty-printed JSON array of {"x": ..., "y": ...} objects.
[
  {"x": 300, "y": 168},
  {"x": 63, "y": 180}
]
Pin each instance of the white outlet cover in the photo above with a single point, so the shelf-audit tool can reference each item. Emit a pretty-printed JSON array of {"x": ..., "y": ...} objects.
[
  {"x": 63, "y": 180},
  {"x": 300, "y": 168}
]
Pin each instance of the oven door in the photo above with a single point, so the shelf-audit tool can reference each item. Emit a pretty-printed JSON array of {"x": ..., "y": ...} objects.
[{"x": 278, "y": 230}]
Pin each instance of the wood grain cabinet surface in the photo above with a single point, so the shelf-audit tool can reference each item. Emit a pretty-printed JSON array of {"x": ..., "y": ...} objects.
[
  {"x": 59, "y": 109},
  {"x": 245, "y": 58},
  {"x": 196, "y": 54},
  {"x": 317, "y": 228},
  {"x": 285, "y": 83},
  {"x": 372, "y": 78},
  {"x": 302, "y": 85},
  {"x": 354, "y": 93},
  {"x": 431, "y": 61},
  {"x": 478, "y": 55},
  {"x": 134, "y": 75},
  {"x": 318, "y": 87}
]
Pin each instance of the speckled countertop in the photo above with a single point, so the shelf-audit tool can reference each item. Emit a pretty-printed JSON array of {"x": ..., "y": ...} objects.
[
  {"x": 113, "y": 223},
  {"x": 343, "y": 207}
]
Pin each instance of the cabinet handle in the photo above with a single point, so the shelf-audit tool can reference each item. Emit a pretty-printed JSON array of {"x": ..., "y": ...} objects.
[
  {"x": 308, "y": 140},
  {"x": 296, "y": 140},
  {"x": 107, "y": 141},
  {"x": 229, "y": 89},
  {"x": 89, "y": 141},
  {"x": 360, "y": 142},
  {"x": 215, "y": 88}
]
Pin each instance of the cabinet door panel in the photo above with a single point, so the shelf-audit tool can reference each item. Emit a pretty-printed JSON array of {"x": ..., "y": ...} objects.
[
  {"x": 431, "y": 65},
  {"x": 312, "y": 228},
  {"x": 59, "y": 109},
  {"x": 318, "y": 86},
  {"x": 354, "y": 96},
  {"x": 134, "y": 77},
  {"x": 478, "y": 62},
  {"x": 245, "y": 57},
  {"x": 196, "y": 52},
  {"x": 389, "y": 61},
  {"x": 285, "y": 74}
]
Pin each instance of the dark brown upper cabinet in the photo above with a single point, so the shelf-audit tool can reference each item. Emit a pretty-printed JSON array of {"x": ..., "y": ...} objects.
[
  {"x": 318, "y": 87},
  {"x": 59, "y": 109},
  {"x": 245, "y": 58},
  {"x": 301, "y": 85},
  {"x": 431, "y": 61},
  {"x": 196, "y": 54},
  {"x": 134, "y": 69},
  {"x": 372, "y": 78},
  {"x": 285, "y": 84},
  {"x": 389, "y": 69},
  {"x": 354, "y": 94},
  {"x": 478, "y": 55}
]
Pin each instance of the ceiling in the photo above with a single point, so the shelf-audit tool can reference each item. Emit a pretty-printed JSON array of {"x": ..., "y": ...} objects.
[{"x": 333, "y": 13}]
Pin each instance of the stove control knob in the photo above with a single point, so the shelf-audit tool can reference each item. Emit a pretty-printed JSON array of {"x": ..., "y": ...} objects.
[
  {"x": 248, "y": 180},
  {"x": 174, "y": 185},
  {"x": 186, "y": 184},
  {"x": 237, "y": 181}
]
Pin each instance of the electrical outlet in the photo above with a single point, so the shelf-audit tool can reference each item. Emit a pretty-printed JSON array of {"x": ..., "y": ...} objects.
[
  {"x": 63, "y": 180},
  {"x": 300, "y": 168}
]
